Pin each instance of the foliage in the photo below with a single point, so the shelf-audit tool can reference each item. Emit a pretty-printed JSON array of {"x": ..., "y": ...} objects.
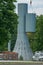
[
  {"x": 39, "y": 32},
  {"x": 21, "y": 58},
  {"x": 36, "y": 39},
  {"x": 8, "y": 22}
]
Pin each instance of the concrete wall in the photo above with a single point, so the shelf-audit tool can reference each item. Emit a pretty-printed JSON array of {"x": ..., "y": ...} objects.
[{"x": 30, "y": 22}]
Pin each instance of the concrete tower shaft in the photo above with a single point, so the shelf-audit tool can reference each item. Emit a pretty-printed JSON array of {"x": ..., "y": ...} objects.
[
  {"x": 22, "y": 46},
  {"x": 22, "y": 10}
]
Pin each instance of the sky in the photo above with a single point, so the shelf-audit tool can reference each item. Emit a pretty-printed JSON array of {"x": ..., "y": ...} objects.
[{"x": 36, "y": 7}]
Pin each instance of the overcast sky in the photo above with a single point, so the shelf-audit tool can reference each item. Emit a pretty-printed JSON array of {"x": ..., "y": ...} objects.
[{"x": 37, "y": 6}]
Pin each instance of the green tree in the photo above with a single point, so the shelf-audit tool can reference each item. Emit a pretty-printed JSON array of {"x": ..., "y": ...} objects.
[
  {"x": 36, "y": 39},
  {"x": 39, "y": 32},
  {"x": 8, "y": 22}
]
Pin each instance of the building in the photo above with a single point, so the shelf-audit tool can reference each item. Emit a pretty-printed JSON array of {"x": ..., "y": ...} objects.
[
  {"x": 6, "y": 55},
  {"x": 26, "y": 23}
]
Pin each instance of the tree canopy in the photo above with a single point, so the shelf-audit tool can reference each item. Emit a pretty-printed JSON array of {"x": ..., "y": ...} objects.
[
  {"x": 8, "y": 22},
  {"x": 36, "y": 39}
]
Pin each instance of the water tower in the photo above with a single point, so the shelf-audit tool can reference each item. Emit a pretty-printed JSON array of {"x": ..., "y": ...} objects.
[{"x": 26, "y": 23}]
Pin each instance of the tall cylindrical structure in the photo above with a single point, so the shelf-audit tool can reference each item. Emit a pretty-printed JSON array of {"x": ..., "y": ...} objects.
[
  {"x": 22, "y": 10},
  {"x": 22, "y": 46}
]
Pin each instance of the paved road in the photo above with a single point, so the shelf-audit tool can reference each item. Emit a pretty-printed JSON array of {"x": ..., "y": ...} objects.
[{"x": 21, "y": 63}]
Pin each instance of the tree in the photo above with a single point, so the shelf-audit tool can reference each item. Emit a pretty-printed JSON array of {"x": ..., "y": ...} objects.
[
  {"x": 8, "y": 22},
  {"x": 36, "y": 39},
  {"x": 39, "y": 32}
]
